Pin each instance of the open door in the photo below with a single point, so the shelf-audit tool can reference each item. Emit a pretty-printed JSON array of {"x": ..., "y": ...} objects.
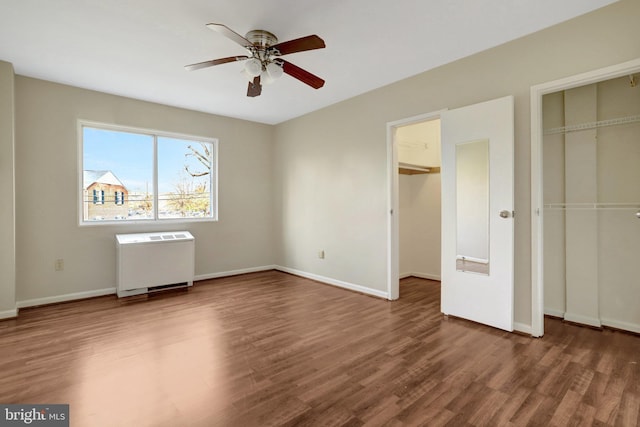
[{"x": 477, "y": 213}]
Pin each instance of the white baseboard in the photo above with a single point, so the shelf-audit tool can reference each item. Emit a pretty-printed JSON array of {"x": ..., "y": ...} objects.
[
  {"x": 8, "y": 314},
  {"x": 585, "y": 320},
  {"x": 618, "y": 324},
  {"x": 521, "y": 327},
  {"x": 335, "y": 282},
  {"x": 234, "y": 272},
  {"x": 427, "y": 276},
  {"x": 553, "y": 312},
  {"x": 110, "y": 291},
  {"x": 633, "y": 327},
  {"x": 65, "y": 297}
]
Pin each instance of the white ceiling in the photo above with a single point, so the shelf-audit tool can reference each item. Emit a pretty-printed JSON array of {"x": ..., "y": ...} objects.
[{"x": 137, "y": 48}]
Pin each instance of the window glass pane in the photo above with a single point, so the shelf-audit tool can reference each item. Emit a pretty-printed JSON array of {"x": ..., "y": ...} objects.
[
  {"x": 115, "y": 162},
  {"x": 185, "y": 170}
]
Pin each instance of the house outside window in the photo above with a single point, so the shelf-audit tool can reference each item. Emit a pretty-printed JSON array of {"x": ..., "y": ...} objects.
[{"x": 100, "y": 183}]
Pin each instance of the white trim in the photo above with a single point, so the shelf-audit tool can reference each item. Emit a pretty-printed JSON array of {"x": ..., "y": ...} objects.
[
  {"x": 427, "y": 276},
  {"x": 537, "y": 244},
  {"x": 393, "y": 224},
  {"x": 111, "y": 291},
  {"x": 521, "y": 327},
  {"x": 633, "y": 327},
  {"x": 553, "y": 312},
  {"x": 234, "y": 272},
  {"x": 393, "y": 204},
  {"x": 585, "y": 320},
  {"x": 9, "y": 314},
  {"x": 334, "y": 282},
  {"x": 65, "y": 297}
]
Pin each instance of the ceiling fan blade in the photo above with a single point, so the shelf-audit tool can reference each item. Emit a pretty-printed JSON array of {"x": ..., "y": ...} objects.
[
  {"x": 298, "y": 45},
  {"x": 255, "y": 88},
  {"x": 214, "y": 62},
  {"x": 230, "y": 34},
  {"x": 302, "y": 75}
]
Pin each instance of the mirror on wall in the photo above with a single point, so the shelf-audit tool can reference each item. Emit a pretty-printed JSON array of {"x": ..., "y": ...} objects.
[{"x": 472, "y": 207}]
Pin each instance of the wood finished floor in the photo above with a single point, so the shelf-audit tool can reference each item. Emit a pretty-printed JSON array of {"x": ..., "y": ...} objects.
[{"x": 274, "y": 349}]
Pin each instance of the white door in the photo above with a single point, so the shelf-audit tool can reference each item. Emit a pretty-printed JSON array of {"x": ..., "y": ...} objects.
[{"x": 477, "y": 213}]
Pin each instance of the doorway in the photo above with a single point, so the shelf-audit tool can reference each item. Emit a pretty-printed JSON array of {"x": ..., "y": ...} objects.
[
  {"x": 487, "y": 296},
  {"x": 419, "y": 199},
  {"x": 585, "y": 204},
  {"x": 413, "y": 146}
]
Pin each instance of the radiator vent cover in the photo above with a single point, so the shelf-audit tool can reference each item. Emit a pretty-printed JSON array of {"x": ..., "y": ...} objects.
[{"x": 151, "y": 260}]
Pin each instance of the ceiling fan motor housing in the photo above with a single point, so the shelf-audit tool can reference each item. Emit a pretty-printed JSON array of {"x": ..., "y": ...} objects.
[{"x": 261, "y": 38}]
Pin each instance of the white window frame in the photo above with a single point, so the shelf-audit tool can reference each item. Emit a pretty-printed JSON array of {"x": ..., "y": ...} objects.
[{"x": 155, "y": 134}]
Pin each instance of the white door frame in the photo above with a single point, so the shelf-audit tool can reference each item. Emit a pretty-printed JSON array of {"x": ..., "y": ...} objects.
[
  {"x": 537, "y": 199},
  {"x": 393, "y": 226}
]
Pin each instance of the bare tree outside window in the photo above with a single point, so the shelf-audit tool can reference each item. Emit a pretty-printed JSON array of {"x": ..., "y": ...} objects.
[{"x": 203, "y": 155}]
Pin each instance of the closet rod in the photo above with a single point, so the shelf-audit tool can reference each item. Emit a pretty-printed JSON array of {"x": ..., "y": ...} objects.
[{"x": 593, "y": 125}]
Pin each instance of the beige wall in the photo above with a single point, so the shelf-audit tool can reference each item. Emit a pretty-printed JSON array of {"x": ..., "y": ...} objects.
[
  {"x": 332, "y": 164},
  {"x": 420, "y": 225},
  {"x": 47, "y": 218},
  {"x": 7, "y": 192},
  {"x": 419, "y": 143}
]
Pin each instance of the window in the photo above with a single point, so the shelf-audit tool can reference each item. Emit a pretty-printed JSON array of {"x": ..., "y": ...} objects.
[
  {"x": 98, "y": 197},
  {"x": 145, "y": 175}
]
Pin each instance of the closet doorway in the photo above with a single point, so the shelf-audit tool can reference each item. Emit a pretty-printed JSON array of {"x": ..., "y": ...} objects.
[
  {"x": 586, "y": 199},
  {"x": 419, "y": 203},
  {"x": 414, "y": 227}
]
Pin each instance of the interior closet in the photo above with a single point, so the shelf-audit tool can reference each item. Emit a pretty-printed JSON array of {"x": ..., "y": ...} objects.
[
  {"x": 418, "y": 148},
  {"x": 591, "y": 176}
]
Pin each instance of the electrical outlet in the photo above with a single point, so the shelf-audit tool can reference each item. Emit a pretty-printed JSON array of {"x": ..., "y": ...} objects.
[
  {"x": 59, "y": 264},
  {"x": 321, "y": 254}
]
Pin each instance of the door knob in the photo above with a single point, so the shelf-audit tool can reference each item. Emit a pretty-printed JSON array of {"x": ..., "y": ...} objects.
[
  {"x": 638, "y": 214},
  {"x": 505, "y": 214}
]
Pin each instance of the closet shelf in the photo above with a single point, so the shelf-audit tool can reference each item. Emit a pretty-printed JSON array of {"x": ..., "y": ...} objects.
[
  {"x": 409, "y": 169},
  {"x": 593, "y": 125}
]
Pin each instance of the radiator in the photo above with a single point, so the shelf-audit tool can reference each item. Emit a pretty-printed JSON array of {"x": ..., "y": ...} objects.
[{"x": 151, "y": 261}]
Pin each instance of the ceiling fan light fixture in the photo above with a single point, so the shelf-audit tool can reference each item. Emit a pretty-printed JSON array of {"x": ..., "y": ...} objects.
[
  {"x": 274, "y": 70},
  {"x": 272, "y": 73},
  {"x": 253, "y": 67}
]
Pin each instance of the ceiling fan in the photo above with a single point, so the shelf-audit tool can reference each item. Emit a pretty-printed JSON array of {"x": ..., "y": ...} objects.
[{"x": 264, "y": 65}]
